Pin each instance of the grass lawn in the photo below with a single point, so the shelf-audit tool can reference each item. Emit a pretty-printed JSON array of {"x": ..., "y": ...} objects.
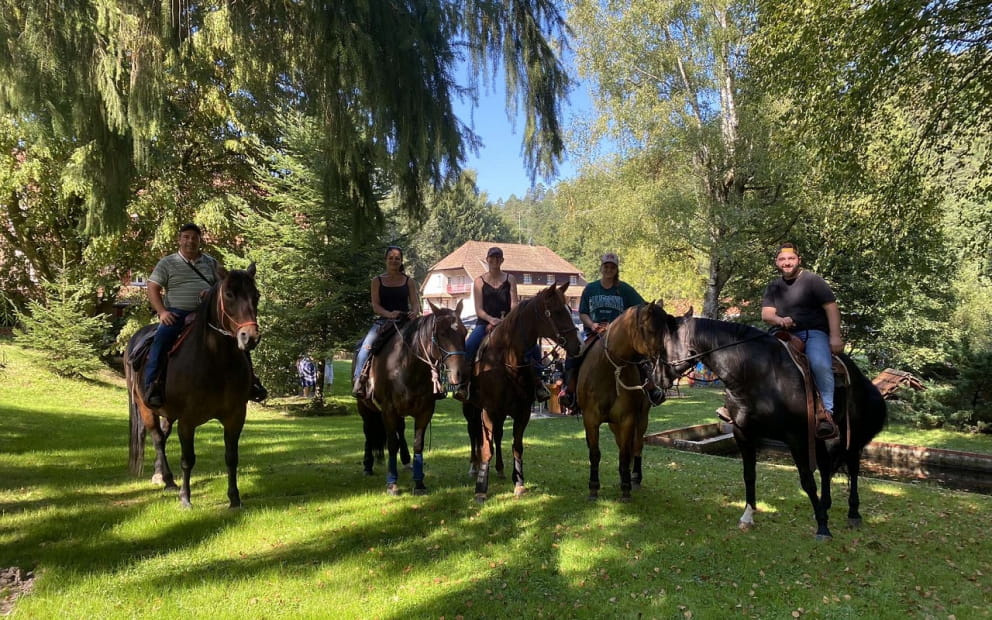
[{"x": 318, "y": 539}]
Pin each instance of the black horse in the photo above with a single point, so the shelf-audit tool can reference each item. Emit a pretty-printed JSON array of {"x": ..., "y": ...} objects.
[
  {"x": 209, "y": 377},
  {"x": 765, "y": 397}
]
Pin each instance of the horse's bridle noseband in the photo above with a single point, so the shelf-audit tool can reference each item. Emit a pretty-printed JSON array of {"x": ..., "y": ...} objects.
[{"x": 560, "y": 336}]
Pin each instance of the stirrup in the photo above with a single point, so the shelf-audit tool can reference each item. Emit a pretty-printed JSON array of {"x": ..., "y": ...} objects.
[{"x": 826, "y": 428}]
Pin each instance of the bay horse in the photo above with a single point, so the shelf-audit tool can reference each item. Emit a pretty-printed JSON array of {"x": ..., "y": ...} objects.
[
  {"x": 765, "y": 398},
  {"x": 402, "y": 378},
  {"x": 610, "y": 389},
  {"x": 502, "y": 382},
  {"x": 208, "y": 377}
]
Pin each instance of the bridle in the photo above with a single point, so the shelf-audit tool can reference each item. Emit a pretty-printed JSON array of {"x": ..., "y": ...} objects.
[
  {"x": 619, "y": 366},
  {"x": 561, "y": 336},
  {"x": 437, "y": 364},
  {"x": 223, "y": 314}
]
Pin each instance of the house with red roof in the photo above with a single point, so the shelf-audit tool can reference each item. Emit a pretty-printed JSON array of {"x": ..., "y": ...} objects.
[{"x": 535, "y": 267}]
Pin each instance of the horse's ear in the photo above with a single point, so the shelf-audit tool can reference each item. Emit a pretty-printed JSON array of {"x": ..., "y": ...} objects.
[
  {"x": 251, "y": 270},
  {"x": 688, "y": 313},
  {"x": 434, "y": 308},
  {"x": 458, "y": 308},
  {"x": 564, "y": 287},
  {"x": 659, "y": 302}
]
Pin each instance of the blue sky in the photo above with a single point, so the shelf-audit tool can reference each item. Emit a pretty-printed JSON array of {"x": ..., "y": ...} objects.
[{"x": 500, "y": 163}]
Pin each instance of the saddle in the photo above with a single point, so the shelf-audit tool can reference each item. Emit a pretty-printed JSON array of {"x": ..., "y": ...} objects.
[
  {"x": 139, "y": 356},
  {"x": 814, "y": 404}
]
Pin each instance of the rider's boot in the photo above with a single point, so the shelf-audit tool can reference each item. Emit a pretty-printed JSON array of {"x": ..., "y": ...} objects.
[{"x": 826, "y": 428}]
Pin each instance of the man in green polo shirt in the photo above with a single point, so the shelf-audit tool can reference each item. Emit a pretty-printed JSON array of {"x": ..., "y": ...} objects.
[{"x": 184, "y": 277}]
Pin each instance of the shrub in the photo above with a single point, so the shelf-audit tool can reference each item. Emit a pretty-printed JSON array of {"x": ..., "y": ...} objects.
[{"x": 63, "y": 329}]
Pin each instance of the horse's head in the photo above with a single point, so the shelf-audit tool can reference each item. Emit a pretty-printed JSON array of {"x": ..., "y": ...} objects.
[
  {"x": 235, "y": 307},
  {"x": 678, "y": 355},
  {"x": 448, "y": 339},
  {"x": 555, "y": 318}
]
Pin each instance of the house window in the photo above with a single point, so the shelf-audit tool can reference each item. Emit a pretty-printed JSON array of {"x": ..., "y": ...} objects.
[
  {"x": 528, "y": 279},
  {"x": 550, "y": 279},
  {"x": 573, "y": 280}
]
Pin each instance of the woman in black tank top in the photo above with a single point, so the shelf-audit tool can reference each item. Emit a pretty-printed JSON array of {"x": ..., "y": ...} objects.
[
  {"x": 495, "y": 294},
  {"x": 395, "y": 297}
]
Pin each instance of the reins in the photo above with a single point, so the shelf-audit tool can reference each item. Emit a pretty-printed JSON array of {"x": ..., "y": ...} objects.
[
  {"x": 697, "y": 356},
  {"x": 560, "y": 335}
]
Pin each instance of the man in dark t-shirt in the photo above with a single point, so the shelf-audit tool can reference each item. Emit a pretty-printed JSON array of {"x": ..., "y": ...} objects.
[{"x": 802, "y": 303}]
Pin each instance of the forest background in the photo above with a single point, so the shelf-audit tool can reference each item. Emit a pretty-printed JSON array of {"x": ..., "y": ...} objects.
[{"x": 307, "y": 136}]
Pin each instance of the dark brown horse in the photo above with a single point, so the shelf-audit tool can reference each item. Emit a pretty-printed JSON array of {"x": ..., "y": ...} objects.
[
  {"x": 610, "y": 389},
  {"x": 208, "y": 378},
  {"x": 502, "y": 382},
  {"x": 766, "y": 399},
  {"x": 403, "y": 378}
]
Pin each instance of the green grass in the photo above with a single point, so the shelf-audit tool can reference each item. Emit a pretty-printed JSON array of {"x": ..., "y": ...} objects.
[{"x": 318, "y": 539}]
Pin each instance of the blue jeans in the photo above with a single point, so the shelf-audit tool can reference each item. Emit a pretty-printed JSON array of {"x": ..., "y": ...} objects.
[
  {"x": 821, "y": 363},
  {"x": 474, "y": 341},
  {"x": 165, "y": 337},
  {"x": 365, "y": 349}
]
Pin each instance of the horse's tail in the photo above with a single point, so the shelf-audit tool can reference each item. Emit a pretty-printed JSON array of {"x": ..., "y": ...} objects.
[{"x": 136, "y": 440}]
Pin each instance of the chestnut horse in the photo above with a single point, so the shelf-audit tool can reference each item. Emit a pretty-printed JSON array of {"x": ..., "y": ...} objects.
[
  {"x": 765, "y": 398},
  {"x": 208, "y": 377},
  {"x": 610, "y": 389},
  {"x": 403, "y": 378},
  {"x": 502, "y": 381}
]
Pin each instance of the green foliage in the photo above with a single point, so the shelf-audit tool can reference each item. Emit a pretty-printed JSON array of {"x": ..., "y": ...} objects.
[
  {"x": 63, "y": 328},
  {"x": 964, "y": 403},
  {"x": 139, "y": 87}
]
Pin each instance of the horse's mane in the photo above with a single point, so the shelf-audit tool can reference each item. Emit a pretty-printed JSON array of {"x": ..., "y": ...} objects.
[
  {"x": 754, "y": 343},
  {"x": 503, "y": 336}
]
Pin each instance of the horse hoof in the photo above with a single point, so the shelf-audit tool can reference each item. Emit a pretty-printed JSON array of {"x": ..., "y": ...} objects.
[
  {"x": 745, "y": 526},
  {"x": 519, "y": 491},
  {"x": 157, "y": 479},
  {"x": 172, "y": 486},
  {"x": 823, "y": 537},
  {"x": 422, "y": 491},
  {"x": 593, "y": 497},
  {"x": 854, "y": 523},
  {"x": 393, "y": 489},
  {"x": 368, "y": 472},
  {"x": 480, "y": 498}
]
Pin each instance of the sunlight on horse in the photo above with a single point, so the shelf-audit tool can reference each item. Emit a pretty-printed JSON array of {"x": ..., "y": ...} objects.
[
  {"x": 404, "y": 379},
  {"x": 502, "y": 382},
  {"x": 209, "y": 377},
  {"x": 610, "y": 389},
  {"x": 765, "y": 398}
]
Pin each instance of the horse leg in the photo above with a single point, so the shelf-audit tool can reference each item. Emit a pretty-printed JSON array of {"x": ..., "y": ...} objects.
[
  {"x": 808, "y": 482},
  {"x": 231, "y": 438},
  {"x": 374, "y": 435},
  {"x": 592, "y": 442},
  {"x": 418, "y": 456},
  {"x": 519, "y": 426},
  {"x": 393, "y": 446},
  {"x": 498, "y": 447},
  {"x": 188, "y": 460},
  {"x": 642, "y": 427},
  {"x": 622, "y": 433},
  {"x": 482, "y": 478},
  {"x": 854, "y": 499},
  {"x": 473, "y": 421},
  {"x": 749, "y": 461},
  {"x": 160, "y": 429},
  {"x": 404, "y": 448}
]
